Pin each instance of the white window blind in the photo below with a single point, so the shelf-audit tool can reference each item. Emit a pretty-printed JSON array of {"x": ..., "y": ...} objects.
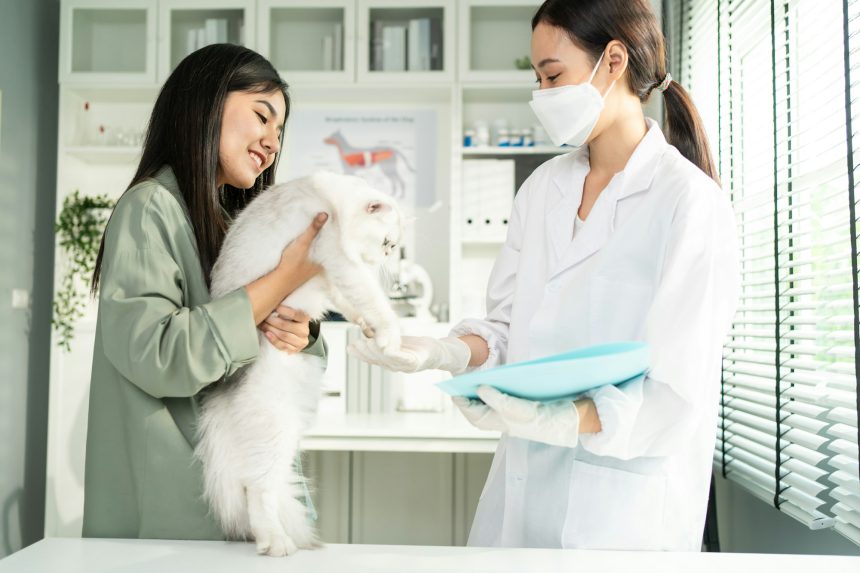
[{"x": 769, "y": 78}]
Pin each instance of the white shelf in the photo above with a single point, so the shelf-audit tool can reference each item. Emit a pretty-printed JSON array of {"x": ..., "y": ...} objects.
[
  {"x": 104, "y": 154},
  {"x": 482, "y": 243},
  {"x": 398, "y": 432},
  {"x": 494, "y": 150}
]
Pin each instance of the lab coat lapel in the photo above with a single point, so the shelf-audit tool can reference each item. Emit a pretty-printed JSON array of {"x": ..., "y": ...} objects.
[
  {"x": 593, "y": 235},
  {"x": 563, "y": 207},
  {"x": 635, "y": 178}
]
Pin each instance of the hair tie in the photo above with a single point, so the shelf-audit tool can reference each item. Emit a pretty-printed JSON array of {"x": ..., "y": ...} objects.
[{"x": 665, "y": 83}]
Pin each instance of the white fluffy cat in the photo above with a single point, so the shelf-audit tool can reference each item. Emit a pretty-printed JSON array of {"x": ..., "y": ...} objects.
[{"x": 249, "y": 429}]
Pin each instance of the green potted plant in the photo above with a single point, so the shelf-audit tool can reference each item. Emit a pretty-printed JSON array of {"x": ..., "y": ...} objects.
[{"x": 79, "y": 229}]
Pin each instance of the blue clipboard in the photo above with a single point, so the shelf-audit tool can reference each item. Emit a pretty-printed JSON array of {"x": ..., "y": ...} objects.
[{"x": 558, "y": 376}]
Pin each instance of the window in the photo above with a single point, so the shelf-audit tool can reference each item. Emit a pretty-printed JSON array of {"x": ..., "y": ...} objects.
[{"x": 776, "y": 84}]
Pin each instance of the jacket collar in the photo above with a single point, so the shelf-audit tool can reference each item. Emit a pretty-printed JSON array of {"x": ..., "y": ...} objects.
[{"x": 636, "y": 177}]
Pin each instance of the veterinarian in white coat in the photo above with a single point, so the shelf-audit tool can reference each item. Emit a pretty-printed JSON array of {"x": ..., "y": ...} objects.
[{"x": 625, "y": 238}]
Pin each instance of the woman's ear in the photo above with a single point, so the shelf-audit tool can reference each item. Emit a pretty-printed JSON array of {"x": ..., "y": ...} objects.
[{"x": 616, "y": 58}]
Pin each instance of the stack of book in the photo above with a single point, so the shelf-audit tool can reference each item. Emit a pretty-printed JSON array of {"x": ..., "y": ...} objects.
[
  {"x": 332, "y": 49},
  {"x": 214, "y": 31},
  {"x": 413, "y": 45}
]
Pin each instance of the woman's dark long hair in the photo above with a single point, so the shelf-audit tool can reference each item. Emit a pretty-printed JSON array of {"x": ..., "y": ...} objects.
[
  {"x": 184, "y": 132},
  {"x": 592, "y": 24}
]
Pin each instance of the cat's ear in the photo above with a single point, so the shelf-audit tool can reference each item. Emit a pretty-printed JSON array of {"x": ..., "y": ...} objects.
[{"x": 378, "y": 207}]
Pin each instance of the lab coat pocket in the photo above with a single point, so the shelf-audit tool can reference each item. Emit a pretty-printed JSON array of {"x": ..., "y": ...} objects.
[
  {"x": 610, "y": 508},
  {"x": 617, "y": 309}
]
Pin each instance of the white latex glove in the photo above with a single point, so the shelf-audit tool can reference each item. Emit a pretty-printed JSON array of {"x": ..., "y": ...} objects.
[
  {"x": 479, "y": 414},
  {"x": 416, "y": 353},
  {"x": 554, "y": 423}
]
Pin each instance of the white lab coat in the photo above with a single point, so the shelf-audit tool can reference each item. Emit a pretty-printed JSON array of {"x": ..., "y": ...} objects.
[{"x": 655, "y": 261}]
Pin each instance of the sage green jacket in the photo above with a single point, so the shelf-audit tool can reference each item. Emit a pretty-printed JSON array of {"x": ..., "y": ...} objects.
[{"x": 160, "y": 340}]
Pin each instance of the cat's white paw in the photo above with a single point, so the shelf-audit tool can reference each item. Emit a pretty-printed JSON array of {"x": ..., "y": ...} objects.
[
  {"x": 365, "y": 328},
  {"x": 388, "y": 339},
  {"x": 307, "y": 539},
  {"x": 293, "y": 516},
  {"x": 276, "y": 544}
]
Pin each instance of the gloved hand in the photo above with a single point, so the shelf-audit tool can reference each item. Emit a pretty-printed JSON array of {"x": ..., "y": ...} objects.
[
  {"x": 416, "y": 353},
  {"x": 479, "y": 414},
  {"x": 554, "y": 423}
]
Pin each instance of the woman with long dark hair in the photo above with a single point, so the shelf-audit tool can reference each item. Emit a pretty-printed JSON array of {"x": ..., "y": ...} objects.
[
  {"x": 212, "y": 144},
  {"x": 627, "y": 237}
]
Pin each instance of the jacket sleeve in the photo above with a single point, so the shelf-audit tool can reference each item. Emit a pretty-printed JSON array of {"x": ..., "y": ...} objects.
[
  {"x": 690, "y": 315},
  {"x": 316, "y": 343},
  {"x": 500, "y": 292},
  {"x": 161, "y": 346}
]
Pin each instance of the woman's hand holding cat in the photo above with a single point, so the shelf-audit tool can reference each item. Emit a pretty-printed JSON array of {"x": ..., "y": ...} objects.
[
  {"x": 295, "y": 263},
  {"x": 416, "y": 353},
  {"x": 287, "y": 329},
  {"x": 294, "y": 270}
]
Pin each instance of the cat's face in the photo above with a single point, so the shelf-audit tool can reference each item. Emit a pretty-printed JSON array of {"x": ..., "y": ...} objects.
[
  {"x": 375, "y": 224},
  {"x": 379, "y": 229}
]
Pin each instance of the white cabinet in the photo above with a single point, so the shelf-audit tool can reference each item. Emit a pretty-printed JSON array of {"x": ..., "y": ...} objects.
[
  {"x": 107, "y": 41},
  {"x": 115, "y": 56},
  {"x": 396, "y": 498},
  {"x": 188, "y": 25}
]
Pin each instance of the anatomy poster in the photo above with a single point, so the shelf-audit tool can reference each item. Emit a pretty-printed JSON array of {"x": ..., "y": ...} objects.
[{"x": 395, "y": 151}]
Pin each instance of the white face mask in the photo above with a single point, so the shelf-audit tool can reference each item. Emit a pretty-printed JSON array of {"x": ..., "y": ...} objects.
[{"x": 569, "y": 113}]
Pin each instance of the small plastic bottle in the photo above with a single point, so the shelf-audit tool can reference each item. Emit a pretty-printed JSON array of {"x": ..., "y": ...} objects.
[
  {"x": 528, "y": 140},
  {"x": 482, "y": 134},
  {"x": 469, "y": 138}
]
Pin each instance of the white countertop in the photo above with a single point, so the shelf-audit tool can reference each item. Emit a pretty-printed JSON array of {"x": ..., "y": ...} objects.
[
  {"x": 69, "y": 555},
  {"x": 398, "y": 432}
]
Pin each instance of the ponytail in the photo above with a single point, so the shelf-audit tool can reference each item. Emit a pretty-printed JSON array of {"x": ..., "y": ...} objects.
[{"x": 684, "y": 129}]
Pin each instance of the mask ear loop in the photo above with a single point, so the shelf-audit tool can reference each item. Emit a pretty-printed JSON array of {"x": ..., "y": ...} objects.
[{"x": 594, "y": 73}]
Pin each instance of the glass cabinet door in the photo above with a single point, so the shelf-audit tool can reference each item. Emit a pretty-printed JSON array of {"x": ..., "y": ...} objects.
[
  {"x": 111, "y": 42},
  {"x": 188, "y": 25},
  {"x": 309, "y": 41},
  {"x": 405, "y": 43},
  {"x": 495, "y": 40}
]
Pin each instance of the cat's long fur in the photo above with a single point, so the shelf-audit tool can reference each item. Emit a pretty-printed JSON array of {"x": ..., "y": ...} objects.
[{"x": 249, "y": 429}]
